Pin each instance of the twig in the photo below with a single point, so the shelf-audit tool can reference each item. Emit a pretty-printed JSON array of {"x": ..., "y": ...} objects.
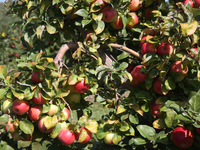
[
  {"x": 69, "y": 109},
  {"x": 23, "y": 84},
  {"x": 126, "y": 49}
]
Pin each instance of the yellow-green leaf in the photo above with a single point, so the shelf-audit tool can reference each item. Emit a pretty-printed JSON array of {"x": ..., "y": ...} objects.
[
  {"x": 92, "y": 126},
  {"x": 189, "y": 28}
]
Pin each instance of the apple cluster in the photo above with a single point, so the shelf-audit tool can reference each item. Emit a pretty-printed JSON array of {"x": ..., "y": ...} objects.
[
  {"x": 195, "y": 3},
  {"x": 46, "y": 115}
]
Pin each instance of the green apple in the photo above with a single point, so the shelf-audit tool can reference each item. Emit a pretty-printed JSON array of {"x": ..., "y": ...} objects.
[
  {"x": 7, "y": 106},
  {"x": 74, "y": 98},
  {"x": 108, "y": 139},
  {"x": 52, "y": 110}
]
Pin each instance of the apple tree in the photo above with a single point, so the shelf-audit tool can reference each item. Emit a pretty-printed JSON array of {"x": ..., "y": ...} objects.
[{"x": 138, "y": 58}]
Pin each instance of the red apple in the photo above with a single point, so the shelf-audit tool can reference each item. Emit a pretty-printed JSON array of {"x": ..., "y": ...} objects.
[
  {"x": 198, "y": 130},
  {"x": 103, "y": 4},
  {"x": 35, "y": 112},
  {"x": 135, "y": 82},
  {"x": 108, "y": 139},
  {"x": 37, "y": 77},
  {"x": 165, "y": 48},
  {"x": 52, "y": 110},
  {"x": 157, "y": 86},
  {"x": 130, "y": 67},
  {"x": 109, "y": 14},
  {"x": 190, "y": 2},
  {"x": 86, "y": 34},
  {"x": 64, "y": 114},
  {"x": 40, "y": 100},
  {"x": 41, "y": 125},
  {"x": 195, "y": 51},
  {"x": 20, "y": 107},
  {"x": 177, "y": 70},
  {"x": 66, "y": 137},
  {"x": 117, "y": 23},
  {"x": 81, "y": 87},
  {"x": 10, "y": 126},
  {"x": 182, "y": 137},
  {"x": 197, "y": 3},
  {"x": 147, "y": 12},
  {"x": 155, "y": 109},
  {"x": 74, "y": 98},
  {"x": 132, "y": 20},
  {"x": 135, "y": 5},
  {"x": 84, "y": 135},
  {"x": 138, "y": 75},
  {"x": 7, "y": 106},
  {"x": 27, "y": 137},
  {"x": 148, "y": 48},
  {"x": 145, "y": 39}
]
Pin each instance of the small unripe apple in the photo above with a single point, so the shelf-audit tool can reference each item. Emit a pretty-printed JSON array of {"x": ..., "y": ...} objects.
[
  {"x": 34, "y": 112},
  {"x": 74, "y": 98},
  {"x": 66, "y": 137},
  {"x": 81, "y": 87},
  {"x": 7, "y": 106},
  {"x": 20, "y": 107},
  {"x": 37, "y": 77},
  {"x": 83, "y": 137},
  {"x": 40, "y": 100},
  {"x": 108, "y": 139},
  {"x": 52, "y": 110}
]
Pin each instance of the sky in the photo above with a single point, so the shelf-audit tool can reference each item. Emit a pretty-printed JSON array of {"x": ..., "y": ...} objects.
[{"x": 2, "y": 0}]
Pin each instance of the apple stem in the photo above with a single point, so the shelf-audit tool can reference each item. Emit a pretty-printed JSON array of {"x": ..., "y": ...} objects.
[{"x": 69, "y": 109}]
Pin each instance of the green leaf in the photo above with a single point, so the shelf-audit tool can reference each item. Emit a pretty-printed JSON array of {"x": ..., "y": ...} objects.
[
  {"x": 37, "y": 146},
  {"x": 98, "y": 26},
  {"x": 170, "y": 84},
  {"x": 195, "y": 103},
  {"x": 116, "y": 138},
  {"x": 82, "y": 13},
  {"x": 122, "y": 56},
  {"x": 189, "y": 28},
  {"x": 137, "y": 141},
  {"x": 18, "y": 94},
  {"x": 21, "y": 144},
  {"x": 122, "y": 66},
  {"x": 3, "y": 120},
  {"x": 133, "y": 119},
  {"x": 124, "y": 126},
  {"x": 3, "y": 92},
  {"x": 55, "y": 131},
  {"x": 185, "y": 119},
  {"x": 26, "y": 126},
  {"x": 51, "y": 29},
  {"x": 6, "y": 147},
  {"x": 169, "y": 119},
  {"x": 72, "y": 79},
  {"x": 61, "y": 93},
  {"x": 3, "y": 72},
  {"x": 120, "y": 109},
  {"x": 146, "y": 131},
  {"x": 101, "y": 133}
]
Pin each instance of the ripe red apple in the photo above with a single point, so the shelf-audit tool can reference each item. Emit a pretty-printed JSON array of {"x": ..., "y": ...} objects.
[
  {"x": 10, "y": 126},
  {"x": 83, "y": 137},
  {"x": 74, "y": 98},
  {"x": 109, "y": 14},
  {"x": 155, "y": 109},
  {"x": 157, "y": 86},
  {"x": 66, "y": 137},
  {"x": 138, "y": 75},
  {"x": 195, "y": 51},
  {"x": 20, "y": 107},
  {"x": 16, "y": 136},
  {"x": 81, "y": 87},
  {"x": 147, "y": 12},
  {"x": 135, "y": 82},
  {"x": 178, "y": 71},
  {"x": 198, "y": 130},
  {"x": 148, "y": 48},
  {"x": 41, "y": 125},
  {"x": 108, "y": 139},
  {"x": 182, "y": 137},
  {"x": 52, "y": 110},
  {"x": 37, "y": 77},
  {"x": 197, "y": 3},
  {"x": 117, "y": 23},
  {"x": 189, "y": 1},
  {"x": 145, "y": 39},
  {"x": 164, "y": 48},
  {"x": 35, "y": 112},
  {"x": 132, "y": 20},
  {"x": 40, "y": 100},
  {"x": 7, "y": 106},
  {"x": 135, "y": 5},
  {"x": 103, "y": 4},
  {"x": 130, "y": 68},
  {"x": 64, "y": 114}
]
